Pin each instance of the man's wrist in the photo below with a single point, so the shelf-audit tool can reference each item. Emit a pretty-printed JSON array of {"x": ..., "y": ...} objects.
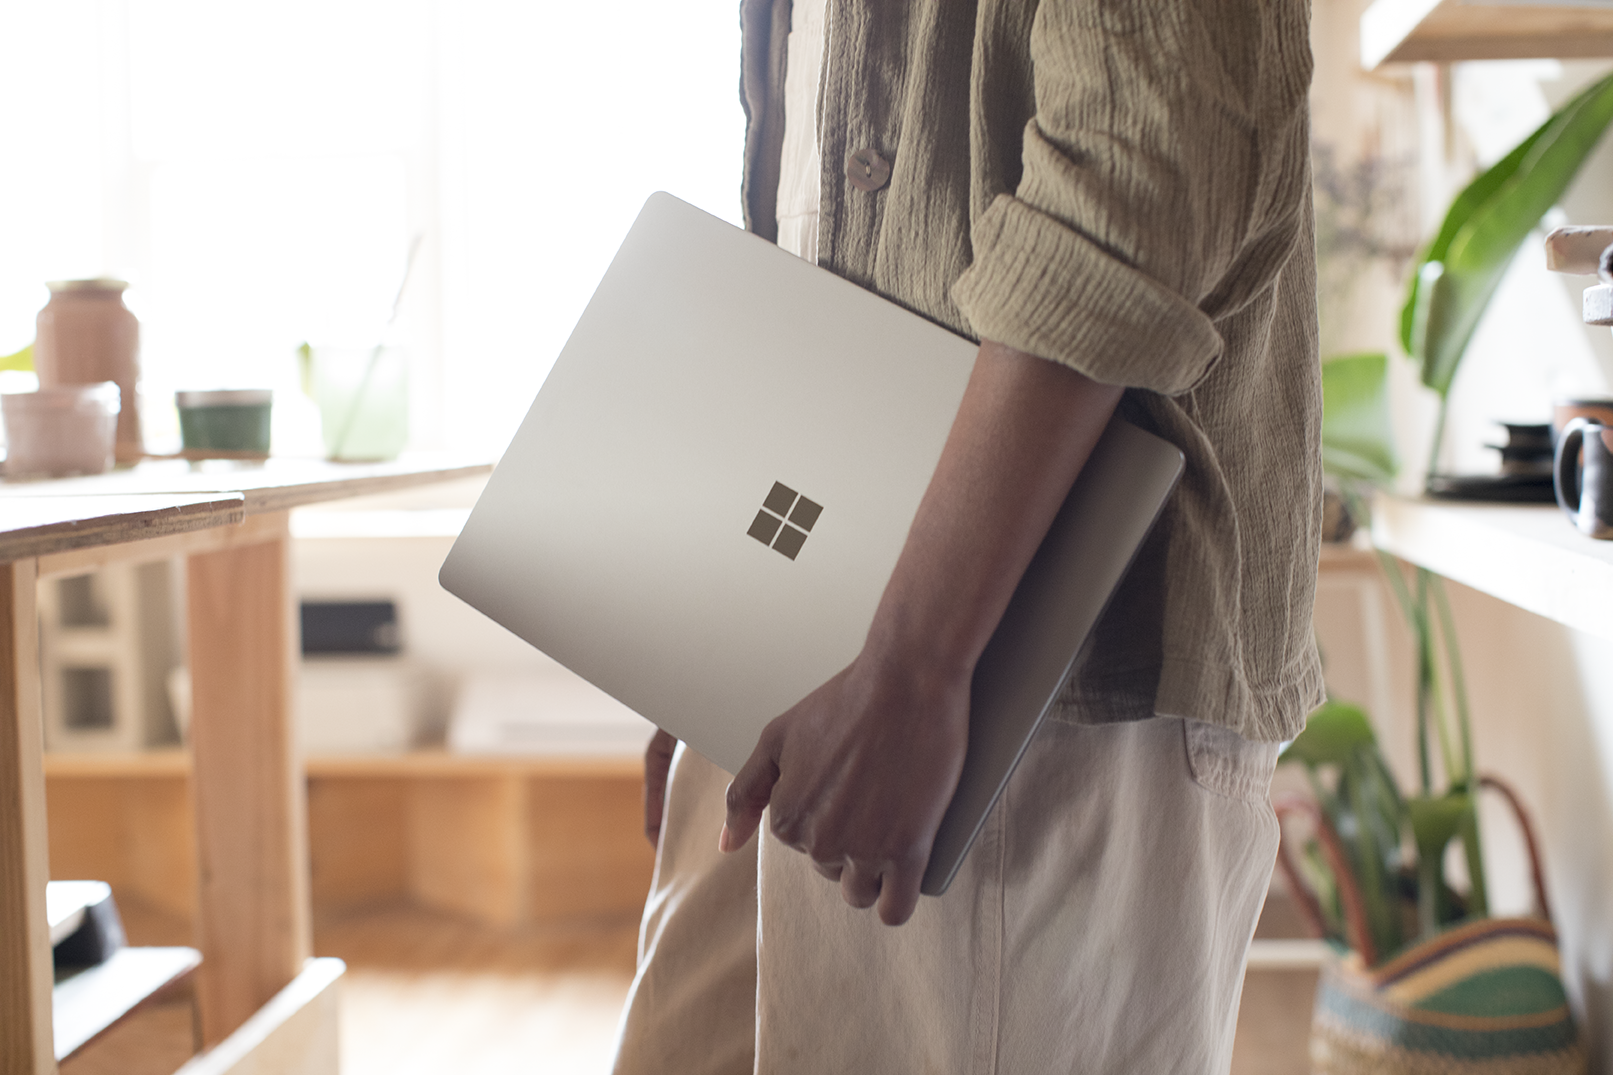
[{"x": 930, "y": 657}]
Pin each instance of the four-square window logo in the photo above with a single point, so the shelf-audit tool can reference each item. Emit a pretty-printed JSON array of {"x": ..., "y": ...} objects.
[{"x": 785, "y": 520}]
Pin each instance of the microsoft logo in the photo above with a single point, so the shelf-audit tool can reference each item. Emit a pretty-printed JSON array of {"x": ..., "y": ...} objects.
[{"x": 770, "y": 528}]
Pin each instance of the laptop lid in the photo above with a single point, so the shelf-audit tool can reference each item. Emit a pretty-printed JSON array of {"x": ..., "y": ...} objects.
[{"x": 703, "y": 505}]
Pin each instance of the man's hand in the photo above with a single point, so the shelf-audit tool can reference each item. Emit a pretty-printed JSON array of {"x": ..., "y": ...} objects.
[
  {"x": 858, "y": 775},
  {"x": 657, "y": 760},
  {"x": 859, "y": 772}
]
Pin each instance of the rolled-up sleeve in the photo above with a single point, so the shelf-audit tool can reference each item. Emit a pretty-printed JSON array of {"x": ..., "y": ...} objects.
[{"x": 1156, "y": 187}]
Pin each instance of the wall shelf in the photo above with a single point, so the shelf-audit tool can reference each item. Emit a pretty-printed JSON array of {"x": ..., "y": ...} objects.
[
  {"x": 175, "y": 761},
  {"x": 1527, "y": 555},
  {"x": 1400, "y": 31},
  {"x": 501, "y": 840}
]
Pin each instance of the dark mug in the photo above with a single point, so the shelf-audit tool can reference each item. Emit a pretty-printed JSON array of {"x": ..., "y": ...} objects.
[{"x": 1584, "y": 476}]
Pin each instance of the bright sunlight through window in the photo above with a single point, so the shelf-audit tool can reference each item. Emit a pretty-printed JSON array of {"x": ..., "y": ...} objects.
[{"x": 259, "y": 173}]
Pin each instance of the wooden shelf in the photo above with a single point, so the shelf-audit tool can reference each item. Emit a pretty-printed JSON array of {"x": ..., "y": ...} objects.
[
  {"x": 440, "y": 763},
  {"x": 1526, "y": 555},
  {"x": 501, "y": 840},
  {"x": 1348, "y": 556},
  {"x": 1400, "y": 31},
  {"x": 168, "y": 762},
  {"x": 175, "y": 762}
]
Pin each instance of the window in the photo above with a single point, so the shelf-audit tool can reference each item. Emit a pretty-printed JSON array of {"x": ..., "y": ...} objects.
[{"x": 258, "y": 172}]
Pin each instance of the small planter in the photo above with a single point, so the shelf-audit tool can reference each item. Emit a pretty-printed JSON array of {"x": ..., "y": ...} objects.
[{"x": 231, "y": 424}]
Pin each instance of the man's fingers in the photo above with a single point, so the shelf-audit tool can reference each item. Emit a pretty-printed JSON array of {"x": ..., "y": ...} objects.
[
  {"x": 830, "y": 870},
  {"x": 899, "y": 894},
  {"x": 860, "y": 885},
  {"x": 748, "y": 796},
  {"x": 657, "y": 761}
]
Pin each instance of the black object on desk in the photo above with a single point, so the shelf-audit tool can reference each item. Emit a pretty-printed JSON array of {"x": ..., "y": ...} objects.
[
  {"x": 86, "y": 928},
  {"x": 353, "y": 627},
  {"x": 1503, "y": 488}
]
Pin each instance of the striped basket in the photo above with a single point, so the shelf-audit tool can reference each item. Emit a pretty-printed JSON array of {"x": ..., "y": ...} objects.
[{"x": 1481, "y": 998}]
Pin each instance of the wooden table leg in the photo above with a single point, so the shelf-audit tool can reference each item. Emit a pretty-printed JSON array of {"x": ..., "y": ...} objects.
[
  {"x": 26, "y": 1045},
  {"x": 251, "y": 816}
]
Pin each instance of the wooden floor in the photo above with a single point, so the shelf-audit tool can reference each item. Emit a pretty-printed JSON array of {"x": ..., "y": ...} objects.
[{"x": 428, "y": 993}]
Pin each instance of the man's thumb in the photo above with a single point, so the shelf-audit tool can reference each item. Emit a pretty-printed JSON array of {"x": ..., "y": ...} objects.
[{"x": 748, "y": 796}]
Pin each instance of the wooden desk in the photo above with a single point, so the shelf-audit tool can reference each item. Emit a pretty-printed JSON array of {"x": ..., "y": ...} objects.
[{"x": 230, "y": 523}]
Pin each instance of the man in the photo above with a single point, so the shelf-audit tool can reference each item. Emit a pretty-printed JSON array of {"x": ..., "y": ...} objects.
[{"x": 1113, "y": 197}]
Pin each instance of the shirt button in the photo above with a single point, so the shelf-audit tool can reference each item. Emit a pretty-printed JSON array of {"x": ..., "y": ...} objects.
[{"x": 867, "y": 170}]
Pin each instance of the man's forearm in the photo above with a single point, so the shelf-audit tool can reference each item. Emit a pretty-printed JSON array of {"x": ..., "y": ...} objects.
[{"x": 1023, "y": 432}]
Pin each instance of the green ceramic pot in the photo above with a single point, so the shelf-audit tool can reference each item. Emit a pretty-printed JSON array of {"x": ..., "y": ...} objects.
[{"x": 234, "y": 420}]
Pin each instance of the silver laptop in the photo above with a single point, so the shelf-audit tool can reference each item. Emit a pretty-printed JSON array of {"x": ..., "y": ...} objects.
[{"x": 700, "y": 511}]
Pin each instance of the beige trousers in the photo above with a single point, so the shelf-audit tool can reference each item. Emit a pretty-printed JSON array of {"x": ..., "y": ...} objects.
[{"x": 1100, "y": 924}]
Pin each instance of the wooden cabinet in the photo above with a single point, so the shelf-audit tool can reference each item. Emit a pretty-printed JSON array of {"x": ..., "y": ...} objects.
[{"x": 503, "y": 841}]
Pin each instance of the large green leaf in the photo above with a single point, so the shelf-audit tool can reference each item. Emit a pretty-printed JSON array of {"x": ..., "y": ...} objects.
[
  {"x": 1331, "y": 735},
  {"x": 1463, "y": 207},
  {"x": 1485, "y": 226},
  {"x": 1435, "y": 821},
  {"x": 1363, "y": 807},
  {"x": 1357, "y": 435}
]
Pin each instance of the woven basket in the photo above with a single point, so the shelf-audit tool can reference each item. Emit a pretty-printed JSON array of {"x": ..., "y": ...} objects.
[{"x": 1481, "y": 998}]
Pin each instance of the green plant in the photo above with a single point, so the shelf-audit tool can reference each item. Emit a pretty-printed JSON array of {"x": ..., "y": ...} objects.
[
  {"x": 18, "y": 360},
  {"x": 1357, "y": 795},
  {"x": 1358, "y": 441},
  {"x": 1395, "y": 846},
  {"x": 1459, "y": 270}
]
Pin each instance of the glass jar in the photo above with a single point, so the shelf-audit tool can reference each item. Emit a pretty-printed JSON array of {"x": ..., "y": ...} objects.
[{"x": 363, "y": 397}]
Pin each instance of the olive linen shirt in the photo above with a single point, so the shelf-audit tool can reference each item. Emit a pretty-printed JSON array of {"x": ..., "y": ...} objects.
[{"x": 1122, "y": 186}]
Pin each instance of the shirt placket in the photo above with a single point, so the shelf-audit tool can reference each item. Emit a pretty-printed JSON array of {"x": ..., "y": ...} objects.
[{"x": 857, "y": 157}]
